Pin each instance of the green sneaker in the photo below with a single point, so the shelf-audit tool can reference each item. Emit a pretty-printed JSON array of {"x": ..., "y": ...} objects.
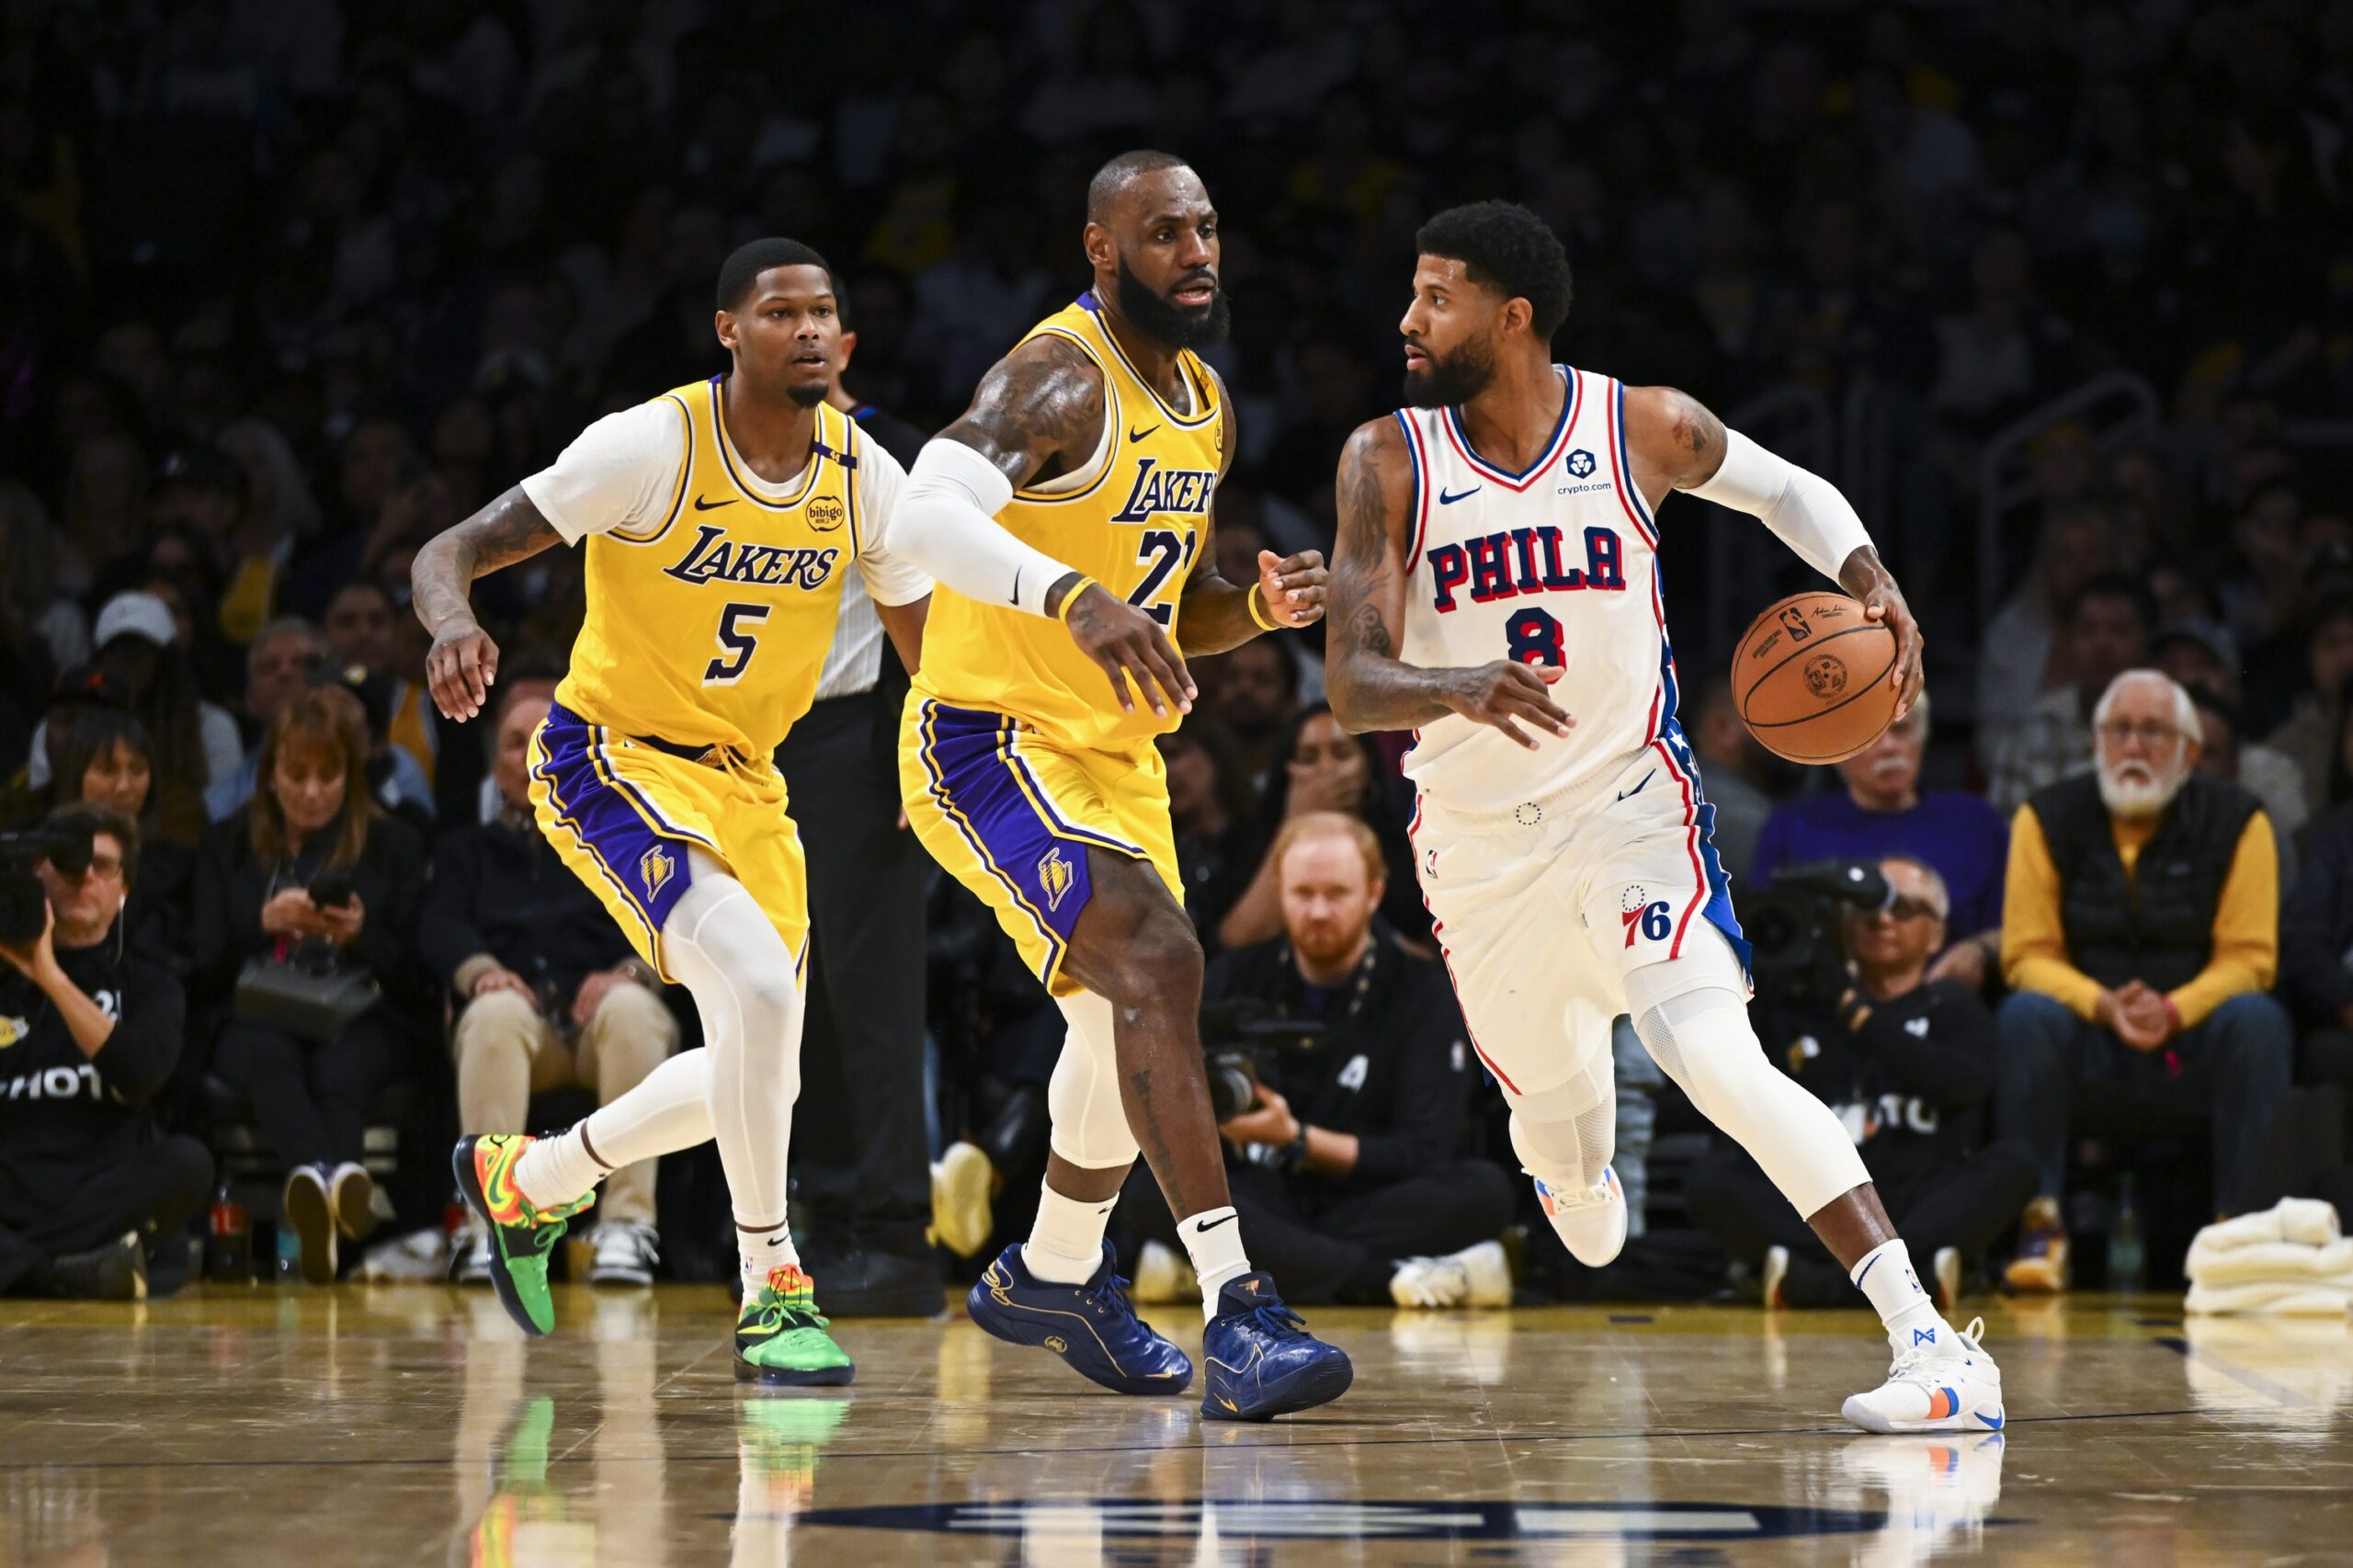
[
  {"x": 780, "y": 1336},
  {"x": 521, "y": 1236}
]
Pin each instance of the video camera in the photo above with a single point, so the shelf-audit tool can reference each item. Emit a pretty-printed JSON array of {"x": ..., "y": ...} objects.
[
  {"x": 1797, "y": 926},
  {"x": 23, "y": 902},
  {"x": 1239, "y": 1033}
]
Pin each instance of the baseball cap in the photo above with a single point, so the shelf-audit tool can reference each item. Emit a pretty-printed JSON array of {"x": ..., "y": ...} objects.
[{"x": 134, "y": 614}]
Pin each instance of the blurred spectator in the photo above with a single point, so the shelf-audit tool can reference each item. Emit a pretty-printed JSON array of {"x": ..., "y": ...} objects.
[
  {"x": 2140, "y": 933},
  {"x": 1907, "y": 1063},
  {"x": 280, "y": 663},
  {"x": 1255, "y": 691},
  {"x": 1882, "y": 811},
  {"x": 2266, "y": 775},
  {"x": 106, "y": 760},
  {"x": 547, "y": 994},
  {"x": 312, "y": 828},
  {"x": 2108, "y": 624},
  {"x": 2013, "y": 665},
  {"x": 278, "y": 512},
  {"x": 360, "y": 624},
  {"x": 1344, "y": 1167},
  {"x": 1734, "y": 772},
  {"x": 30, "y": 606},
  {"x": 1215, "y": 816},
  {"x": 89, "y": 1183},
  {"x": 2307, "y": 737},
  {"x": 2316, "y": 937},
  {"x": 1327, "y": 770}
]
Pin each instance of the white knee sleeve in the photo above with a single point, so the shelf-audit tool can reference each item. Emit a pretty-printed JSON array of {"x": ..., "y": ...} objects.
[
  {"x": 1090, "y": 1125},
  {"x": 1566, "y": 1134},
  {"x": 732, "y": 958}
]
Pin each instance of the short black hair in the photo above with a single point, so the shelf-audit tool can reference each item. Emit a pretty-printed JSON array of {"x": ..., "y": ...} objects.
[
  {"x": 1113, "y": 177},
  {"x": 87, "y": 818},
  {"x": 1503, "y": 245},
  {"x": 2111, "y": 586},
  {"x": 743, "y": 269}
]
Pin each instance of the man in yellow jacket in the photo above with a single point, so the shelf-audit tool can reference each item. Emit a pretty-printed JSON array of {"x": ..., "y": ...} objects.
[{"x": 2139, "y": 936}]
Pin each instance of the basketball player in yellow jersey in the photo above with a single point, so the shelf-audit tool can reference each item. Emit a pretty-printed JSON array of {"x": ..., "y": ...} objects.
[
  {"x": 719, "y": 521},
  {"x": 1100, "y": 439}
]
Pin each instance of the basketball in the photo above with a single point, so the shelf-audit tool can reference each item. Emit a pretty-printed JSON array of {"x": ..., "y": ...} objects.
[{"x": 1811, "y": 678}]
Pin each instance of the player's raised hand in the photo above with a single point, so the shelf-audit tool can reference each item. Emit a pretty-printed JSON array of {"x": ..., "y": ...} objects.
[
  {"x": 1291, "y": 586},
  {"x": 1884, "y": 602},
  {"x": 460, "y": 669},
  {"x": 1507, "y": 694},
  {"x": 1129, "y": 646}
]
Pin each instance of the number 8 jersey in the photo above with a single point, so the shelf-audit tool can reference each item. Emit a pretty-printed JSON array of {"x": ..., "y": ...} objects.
[
  {"x": 711, "y": 594},
  {"x": 1557, "y": 564}
]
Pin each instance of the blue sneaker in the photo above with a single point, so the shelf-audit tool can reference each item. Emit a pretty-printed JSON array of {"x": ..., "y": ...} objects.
[
  {"x": 1263, "y": 1362},
  {"x": 1093, "y": 1326}
]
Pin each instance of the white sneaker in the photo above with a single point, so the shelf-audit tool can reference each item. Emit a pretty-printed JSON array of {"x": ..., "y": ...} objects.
[
  {"x": 626, "y": 1254},
  {"x": 962, "y": 1184},
  {"x": 1952, "y": 1386},
  {"x": 1164, "y": 1275},
  {"x": 1475, "y": 1276},
  {"x": 1592, "y": 1223},
  {"x": 351, "y": 1194},
  {"x": 469, "y": 1259},
  {"x": 1775, "y": 1269}
]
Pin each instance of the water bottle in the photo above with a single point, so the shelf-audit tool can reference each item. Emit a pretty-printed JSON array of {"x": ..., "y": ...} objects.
[
  {"x": 290, "y": 1254},
  {"x": 229, "y": 1241},
  {"x": 2125, "y": 1272}
]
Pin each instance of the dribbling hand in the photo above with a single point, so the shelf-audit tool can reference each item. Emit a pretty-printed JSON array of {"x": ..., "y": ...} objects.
[
  {"x": 1507, "y": 694},
  {"x": 1129, "y": 645}
]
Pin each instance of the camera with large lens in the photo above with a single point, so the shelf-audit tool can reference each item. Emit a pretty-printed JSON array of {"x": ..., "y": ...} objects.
[
  {"x": 23, "y": 902},
  {"x": 1239, "y": 1034},
  {"x": 1797, "y": 926}
]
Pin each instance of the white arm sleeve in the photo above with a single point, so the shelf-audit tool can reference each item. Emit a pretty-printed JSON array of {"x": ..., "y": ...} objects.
[
  {"x": 1803, "y": 509},
  {"x": 946, "y": 524},
  {"x": 891, "y": 577},
  {"x": 620, "y": 472}
]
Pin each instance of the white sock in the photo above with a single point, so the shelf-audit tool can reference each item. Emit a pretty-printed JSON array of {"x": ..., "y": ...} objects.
[
  {"x": 1065, "y": 1246},
  {"x": 559, "y": 1170},
  {"x": 762, "y": 1245},
  {"x": 668, "y": 1110},
  {"x": 1213, "y": 1237},
  {"x": 1885, "y": 1275}
]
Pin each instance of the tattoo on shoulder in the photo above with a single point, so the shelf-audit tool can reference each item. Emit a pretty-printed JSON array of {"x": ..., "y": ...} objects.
[
  {"x": 1695, "y": 426},
  {"x": 512, "y": 532},
  {"x": 1363, "y": 520},
  {"x": 1045, "y": 399}
]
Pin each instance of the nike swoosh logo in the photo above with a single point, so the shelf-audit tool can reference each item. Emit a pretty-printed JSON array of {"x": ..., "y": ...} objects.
[
  {"x": 1229, "y": 1404},
  {"x": 1992, "y": 1423},
  {"x": 1140, "y": 435},
  {"x": 1206, "y": 1226},
  {"x": 703, "y": 506},
  {"x": 1017, "y": 587},
  {"x": 1444, "y": 499},
  {"x": 1639, "y": 788}
]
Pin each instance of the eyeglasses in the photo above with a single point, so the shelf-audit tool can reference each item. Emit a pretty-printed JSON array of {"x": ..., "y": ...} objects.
[
  {"x": 2148, "y": 731},
  {"x": 107, "y": 866},
  {"x": 1909, "y": 908}
]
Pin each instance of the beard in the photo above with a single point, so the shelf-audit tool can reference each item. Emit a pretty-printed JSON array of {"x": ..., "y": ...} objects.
[
  {"x": 2138, "y": 799},
  {"x": 808, "y": 395},
  {"x": 1452, "y": 381},
  {"x": 1180, "y": 327}
]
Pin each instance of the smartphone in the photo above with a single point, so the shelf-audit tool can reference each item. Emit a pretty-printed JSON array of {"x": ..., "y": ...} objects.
[{"x": 331, "y": 890}]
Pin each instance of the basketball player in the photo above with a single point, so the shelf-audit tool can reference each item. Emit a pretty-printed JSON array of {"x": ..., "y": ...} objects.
[
  {"x": 1496, "y": 590},
  {"x": 720, "y": 520},
  {"x": 1102, "y": 437}
]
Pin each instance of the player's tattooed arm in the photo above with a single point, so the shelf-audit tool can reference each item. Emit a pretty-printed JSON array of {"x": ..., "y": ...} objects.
[
  {"x": 1289, "y": 589},
  {"x": 463, "y": 663},
  {"x": 1369, "y": 686},
  {"x": 1673, "y": 440}
]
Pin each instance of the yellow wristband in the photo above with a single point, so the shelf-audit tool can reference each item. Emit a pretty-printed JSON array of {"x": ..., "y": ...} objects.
[
  {"x": 1061, "y": 611},
  {"x": 1256, "y": 597}
]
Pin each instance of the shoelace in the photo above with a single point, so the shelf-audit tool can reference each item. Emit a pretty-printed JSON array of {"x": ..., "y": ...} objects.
[
  {"x": 1914, "y": 1361},
  {"x": 1112, "y": 1297},
  {"x": 1277, "y": 1322}
]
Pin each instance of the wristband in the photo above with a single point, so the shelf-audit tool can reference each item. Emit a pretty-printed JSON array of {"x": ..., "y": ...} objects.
[
  {"x": 1256, "y": 597},
  {"x": 2173, "y": 1014},
  {"x": 1061, "y": 611}
]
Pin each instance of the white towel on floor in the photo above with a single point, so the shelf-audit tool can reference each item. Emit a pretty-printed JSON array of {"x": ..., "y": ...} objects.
[
  {"x": 2289, "y": 1260},
  {"x": 2270, "y": 1261},
  {"x": 2282, "y": 1298},
  {"x": 2307, "y": 1222}
]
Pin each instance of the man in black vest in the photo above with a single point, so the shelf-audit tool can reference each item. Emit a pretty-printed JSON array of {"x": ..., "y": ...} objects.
[{"x": 2141, "y": 935}]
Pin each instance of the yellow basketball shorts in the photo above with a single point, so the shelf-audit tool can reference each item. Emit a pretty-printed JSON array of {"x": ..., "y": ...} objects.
[
  {"x": 1012, "y": 817},
  {"x": 622, "y": 813}
]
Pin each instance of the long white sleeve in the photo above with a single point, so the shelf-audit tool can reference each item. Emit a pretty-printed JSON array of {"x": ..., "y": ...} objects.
[
  {"x": 945, "y": 522},
  {"x": 1804, "y": 510}
]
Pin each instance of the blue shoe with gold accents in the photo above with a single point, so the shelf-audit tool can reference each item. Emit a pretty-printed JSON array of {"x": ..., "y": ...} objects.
[
  {"x": 1261, "y": 1361},
  {"x": 1093, "y": 1326}
]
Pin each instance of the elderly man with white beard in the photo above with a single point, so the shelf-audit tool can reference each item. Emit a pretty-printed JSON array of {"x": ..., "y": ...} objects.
[{"x": 2139, "y": 935}]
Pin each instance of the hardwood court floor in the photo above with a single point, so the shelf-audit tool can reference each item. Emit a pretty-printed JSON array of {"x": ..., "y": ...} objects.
[{"x": 403, "y": 1425}]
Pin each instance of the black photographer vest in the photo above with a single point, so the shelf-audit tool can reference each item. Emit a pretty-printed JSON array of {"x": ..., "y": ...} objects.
[{"x": 2156, "y": 924}]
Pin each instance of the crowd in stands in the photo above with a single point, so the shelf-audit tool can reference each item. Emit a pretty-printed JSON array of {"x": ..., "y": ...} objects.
[{"x": 294, "y": 284}]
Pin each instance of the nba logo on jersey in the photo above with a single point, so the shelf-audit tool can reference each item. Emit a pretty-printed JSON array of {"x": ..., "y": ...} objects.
[
  {"x": 654, "y": 868},
  {"x": 1054, "y": 875}
]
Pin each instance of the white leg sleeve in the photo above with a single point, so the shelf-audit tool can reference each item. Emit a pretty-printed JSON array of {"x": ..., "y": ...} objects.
[
  {"x": 1090, "y": 1125},
  {"x": 667, "y": 1109},
  {"x": 731, "y": 957},
  {"x": 1699, "y": 1034},
  {"x": 1566, "y": 1134}
]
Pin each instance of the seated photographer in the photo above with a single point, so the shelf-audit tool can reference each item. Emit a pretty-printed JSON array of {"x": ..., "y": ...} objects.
[
  {"x": 1882, "y": 810},
  {"x": 1907, "y": 1063},
  {"x": 305, "y": 929},
  {"x": 2139, "y": 936},
  {"x": 549, "y": 994},
  {"x": 107, "y": 760},
  {"x": 88, "y": 1030},
  {"x": 1340, "y": 1075}
]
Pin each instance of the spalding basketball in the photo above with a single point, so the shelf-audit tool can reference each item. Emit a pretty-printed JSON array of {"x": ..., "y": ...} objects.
[{"x": 1812, "y": 679}]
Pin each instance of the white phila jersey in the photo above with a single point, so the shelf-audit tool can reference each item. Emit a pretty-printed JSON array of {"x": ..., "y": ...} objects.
[{"x": 1557, "y": 564}]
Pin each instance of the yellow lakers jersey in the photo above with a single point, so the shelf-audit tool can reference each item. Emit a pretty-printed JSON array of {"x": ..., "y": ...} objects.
[
  {"x": 1132, "y": 519},
  {"x": 709, "y": 627}
]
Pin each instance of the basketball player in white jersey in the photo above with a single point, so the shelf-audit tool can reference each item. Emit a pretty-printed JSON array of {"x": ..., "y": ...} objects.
[{"x": 1495, "y": 589}]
